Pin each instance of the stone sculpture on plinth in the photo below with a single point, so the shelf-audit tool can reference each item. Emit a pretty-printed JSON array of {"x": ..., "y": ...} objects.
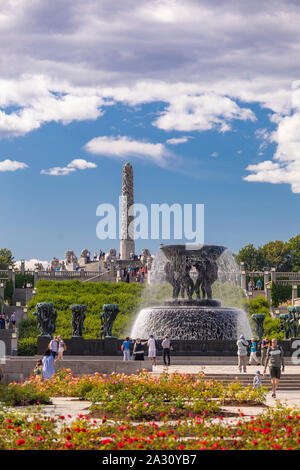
[
  {"x": 107, "y": 318},
  {"x": 78, "y": 317},
  {"x": 259, "y": 319},
  {"x": 46, "y": 318}
]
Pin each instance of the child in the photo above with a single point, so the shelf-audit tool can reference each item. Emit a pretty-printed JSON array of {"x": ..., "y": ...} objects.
[
  {"x": 257, "y": 379},
  {"x": 38, "y": 370}
]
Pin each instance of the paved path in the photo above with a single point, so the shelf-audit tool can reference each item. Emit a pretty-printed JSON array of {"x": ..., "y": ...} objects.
[{"x": 214, "y": 369}]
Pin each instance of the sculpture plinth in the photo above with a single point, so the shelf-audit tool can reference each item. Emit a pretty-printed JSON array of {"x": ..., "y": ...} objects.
[{"x": 187, "y": 318}]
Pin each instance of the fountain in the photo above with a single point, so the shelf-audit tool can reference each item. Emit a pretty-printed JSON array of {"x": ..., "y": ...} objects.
[{"x": 185, "y": 317}]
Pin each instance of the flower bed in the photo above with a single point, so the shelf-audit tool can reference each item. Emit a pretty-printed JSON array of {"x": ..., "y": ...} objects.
[
  {"x": 142, "y": 396},
  {"x": 273, "y": 430}
]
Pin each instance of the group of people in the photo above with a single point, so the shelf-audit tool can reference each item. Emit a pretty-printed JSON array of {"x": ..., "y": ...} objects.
[
  {"x": 45, "y": 367},
  {"x": 7, "y": 322},
  {"x": 252, "y": 286},
  {"x": 138, "y": 351},
  {"x": 134, "y": 273},
  {"x": 271, "y": 355}
]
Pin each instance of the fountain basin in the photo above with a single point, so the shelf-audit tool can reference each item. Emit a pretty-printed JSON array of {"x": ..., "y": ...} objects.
[{"x": 183, "y": 322}]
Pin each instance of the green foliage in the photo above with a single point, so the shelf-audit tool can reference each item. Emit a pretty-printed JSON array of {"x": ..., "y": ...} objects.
[
  {"x": 94, "y": 295},
  {"x": 6, "y": 258},
  {"x": 23, "y": 278},
  {"x": 27, "y": 346},
  {"x": 9, "y": 291},
  {"x": 271, "y": 325},
  {"x": 16, "y": 395},
  {"x": 294, "y": 248},
  {"x": 280, "y": 294},
  {"x": 251, "y": 256}
]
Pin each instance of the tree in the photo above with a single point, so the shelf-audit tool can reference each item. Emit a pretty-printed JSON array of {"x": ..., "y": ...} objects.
[
  {"x": 6, "y": 258},
  {"x": 294, "y": 247},
  {"x": 251, "y": 256},
  {"x": 277, "y": 255}
]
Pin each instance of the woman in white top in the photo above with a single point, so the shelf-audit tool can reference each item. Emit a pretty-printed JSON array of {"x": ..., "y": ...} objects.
[
  {"x": 61, "y": 348},
  {"x": 152, "y": 349}
]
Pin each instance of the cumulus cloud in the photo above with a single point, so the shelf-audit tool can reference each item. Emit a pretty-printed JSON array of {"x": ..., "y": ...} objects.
[
  {"x": 201, "y": 113},
  {"x": 285, "y": 167},
  {"x": 30, "y": 264},
  {"x": 74, "y": 165},
  {"x": 12, "y": 165},
  {"x": 205, "y": 61},
  {"x": 123, "y": 147}
]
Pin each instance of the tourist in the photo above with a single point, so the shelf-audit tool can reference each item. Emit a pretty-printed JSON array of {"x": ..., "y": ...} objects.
[
  {"x": 257, "y": 380},
  {"x": 253, "y": 350},
  {"x": 48, "y": 367},
  {"x": 7, "y": 322},
  {"x": 276, "y": 362},
  {"x": 53, "y": 346},
  {"x": 152, "y": 349},
  {"x": 126, "y": 348},
  {"x": 2, "y": 322},
  {"x": 38, "y": 370},
  {"x": 166, "y": 345},
  {"x": 61, "y": 348},
  {"x": 13, "y": 320},
  {"x": 138, "y": 350},
  {"x": 265, "y": 344},
  {"x": 242, "y": 345},
  {"x": 259, "y": 284}
]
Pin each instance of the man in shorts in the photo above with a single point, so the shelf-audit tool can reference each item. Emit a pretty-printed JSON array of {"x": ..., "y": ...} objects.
[{"x": 276, "y": 364}]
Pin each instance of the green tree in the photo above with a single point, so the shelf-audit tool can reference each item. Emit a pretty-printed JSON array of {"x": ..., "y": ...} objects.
[
  {"x": 251, "y": 256},
  {"x": 6, "y": 258},
  {"x": 294, "y": 247},
  {"x": 277, "y": 255}
]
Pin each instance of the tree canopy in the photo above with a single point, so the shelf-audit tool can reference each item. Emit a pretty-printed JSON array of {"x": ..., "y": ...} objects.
[
  {"x": 284, "y": 256},
  {"x": 6, "y": 258}
]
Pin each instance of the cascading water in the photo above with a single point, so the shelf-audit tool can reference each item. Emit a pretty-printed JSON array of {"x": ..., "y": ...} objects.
[{"x": 194, "y": 319}]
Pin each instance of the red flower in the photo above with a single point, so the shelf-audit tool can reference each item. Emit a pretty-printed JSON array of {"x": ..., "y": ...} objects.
[
  {"x": 20, "y": 442},
  {"x": 181, "y": 447}
]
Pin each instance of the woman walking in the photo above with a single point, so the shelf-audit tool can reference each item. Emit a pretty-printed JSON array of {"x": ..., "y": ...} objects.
[
  {"x": 48, "y": 367},
  {"x": 61, "y": 349},
  {"x": 152, "y": 349}
]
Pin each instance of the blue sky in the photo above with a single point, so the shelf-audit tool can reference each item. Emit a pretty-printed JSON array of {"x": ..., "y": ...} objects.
[{"x": 105, "y": 85}]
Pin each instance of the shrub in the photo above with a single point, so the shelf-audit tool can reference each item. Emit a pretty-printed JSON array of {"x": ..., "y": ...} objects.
[{"x": 27, "y": 347}]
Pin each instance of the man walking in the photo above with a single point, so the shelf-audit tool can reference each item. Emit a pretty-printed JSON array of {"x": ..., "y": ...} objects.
[
  {"x": 166, "y": 345},
  {"x": 275, "y": 359},
  {"x": 265, "y": 344},
  {"x": 242, "y": 345}
]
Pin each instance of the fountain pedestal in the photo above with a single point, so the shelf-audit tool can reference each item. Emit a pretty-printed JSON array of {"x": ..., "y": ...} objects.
[{"x": 191, "y": 318}]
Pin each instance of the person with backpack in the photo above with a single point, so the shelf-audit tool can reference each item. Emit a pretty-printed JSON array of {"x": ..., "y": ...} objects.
[
  {"x": 276, "y": 361},
  {"x": 126, "y": 349}
]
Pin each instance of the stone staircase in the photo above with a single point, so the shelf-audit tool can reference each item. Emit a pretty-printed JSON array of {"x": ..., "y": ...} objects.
[{"x": 287, "y": 381}]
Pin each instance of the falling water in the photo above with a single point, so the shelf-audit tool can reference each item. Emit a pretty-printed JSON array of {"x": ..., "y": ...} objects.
[{"x": 226, "y": 289}]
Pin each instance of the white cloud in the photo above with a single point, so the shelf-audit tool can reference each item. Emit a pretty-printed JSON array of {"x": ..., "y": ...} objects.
[
  {"x": 201, "y": 113},
  {"x": 285, "y": 167},
  {"x": 123, "y": 147},
  {"x": 30, "y": 264},
  {"x": 12, "y": 165},
  {"x": 178, "y": 140},
  {"x": 214, "y": 154},
  {"x": 77, "y": 164}
]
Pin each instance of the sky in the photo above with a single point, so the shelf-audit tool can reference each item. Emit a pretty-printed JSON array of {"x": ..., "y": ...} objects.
[{"x": 203, "y": 98}]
